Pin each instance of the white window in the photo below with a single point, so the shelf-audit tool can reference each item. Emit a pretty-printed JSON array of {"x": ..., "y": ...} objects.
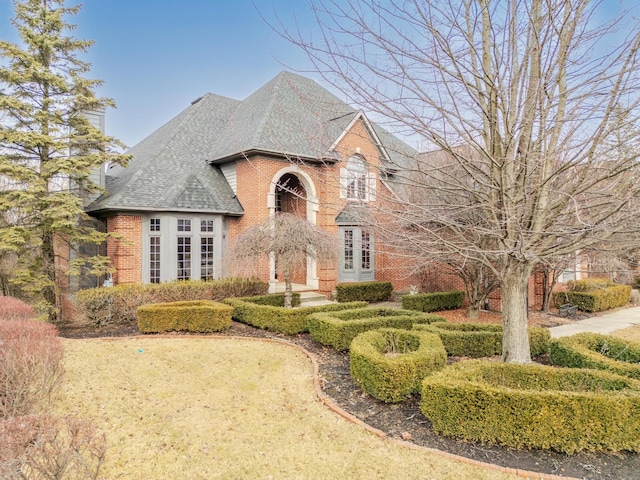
[
  {"x": 181, "y": 250},
  {"x": 356, "y": 182}
]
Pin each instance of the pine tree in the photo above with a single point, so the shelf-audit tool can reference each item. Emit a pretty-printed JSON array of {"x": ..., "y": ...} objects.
[{"x": 48, "y": 149}]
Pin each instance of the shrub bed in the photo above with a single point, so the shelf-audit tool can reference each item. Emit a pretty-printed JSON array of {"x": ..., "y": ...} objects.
[
  {"x": 481, "y": 340},
  {"x": 534, "y": 406},
  {"x": 338, "y": 329},
  {"x": 594, "y": 295},
  {"x": 30, "y": 365},
  {"x": 364, "y": 292},
  {"x": 602, "y": 352},
  {"x": 190, "y": 316},
  {"x": 433, "y": 302},
  {"x": 119, "y": 304},
  {"x": 12, "y": 308},
  {"x": 390, "y": 363},
  {"x": 289, "y": 321},
  {"x": 274, "y": 299}
]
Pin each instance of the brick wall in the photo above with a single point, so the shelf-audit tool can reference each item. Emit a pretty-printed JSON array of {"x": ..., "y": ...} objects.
[{"x": 126, "y": 252}]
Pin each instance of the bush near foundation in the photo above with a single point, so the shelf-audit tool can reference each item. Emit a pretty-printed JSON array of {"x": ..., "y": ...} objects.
[
  {"x": 273, "y": 299},
  {"x": 389, "y": 364},
  {"x": 338, "y": 329},
  {"x": 602, "y": 352},
  {"x": 201, "y": 316},
  {"x": 433, "y": 302},
  {"x": 364, "y": 291},
  {"x": 119, "y": 304},
  {"x": 534, "y": 406},
  {"x": 594, "y": 295},
  {"x": 289, "y": 321},
  {"x": 481, "y": 340}
]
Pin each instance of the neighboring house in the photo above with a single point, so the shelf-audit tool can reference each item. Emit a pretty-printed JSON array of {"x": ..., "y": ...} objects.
[{"x": 223, "y": 165}]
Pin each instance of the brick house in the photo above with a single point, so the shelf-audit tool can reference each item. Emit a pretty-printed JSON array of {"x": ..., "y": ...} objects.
[{"x": 223, "y": 165}]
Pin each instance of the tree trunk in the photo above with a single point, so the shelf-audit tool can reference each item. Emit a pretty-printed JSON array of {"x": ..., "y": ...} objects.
[
  {"x": 49, "y": 292},
  {"x": 474, "y": 310},
  {"x": 288, "y": 289},
  {"x": 515, "y": 335},
  {"x": 548, "y": 288}
]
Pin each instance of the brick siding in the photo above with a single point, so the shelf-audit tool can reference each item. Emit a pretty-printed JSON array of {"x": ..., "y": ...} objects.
[{"x": 126, "y": 252}]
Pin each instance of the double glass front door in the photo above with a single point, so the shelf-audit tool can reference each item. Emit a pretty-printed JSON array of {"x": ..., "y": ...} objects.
[{"x": 356, "y": 255}]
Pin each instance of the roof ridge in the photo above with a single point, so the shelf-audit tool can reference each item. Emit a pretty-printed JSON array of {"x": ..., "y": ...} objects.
[{"x": 277, "y": 84}]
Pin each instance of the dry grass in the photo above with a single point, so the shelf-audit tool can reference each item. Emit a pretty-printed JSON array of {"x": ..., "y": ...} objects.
[
  {"x": 631, "y": 333},
  {"x": 207, "y": 408}
]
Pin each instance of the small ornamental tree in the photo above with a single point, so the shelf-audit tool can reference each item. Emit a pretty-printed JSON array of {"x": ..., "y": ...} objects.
[
  {"x": 48, "y": 149},
  {"x": 291, "y": 239}
]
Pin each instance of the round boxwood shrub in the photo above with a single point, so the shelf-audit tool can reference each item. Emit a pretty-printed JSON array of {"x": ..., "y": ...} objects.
[
  {"x": 481, "y": 340},
  {"x": 592, "y": 350},
  {"x": 534, "y": 406},
  {"x": 390, "y": 363}
]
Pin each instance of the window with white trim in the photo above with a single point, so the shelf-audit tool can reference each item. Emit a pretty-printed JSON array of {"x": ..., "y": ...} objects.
[
  {"x": 186, "y": 247},
  {"x": 356, "y": 181},
  {"x": 154, "y": 250}
]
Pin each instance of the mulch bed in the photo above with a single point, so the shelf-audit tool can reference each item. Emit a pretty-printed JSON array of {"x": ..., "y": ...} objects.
[{"x": 405, "y": 421}]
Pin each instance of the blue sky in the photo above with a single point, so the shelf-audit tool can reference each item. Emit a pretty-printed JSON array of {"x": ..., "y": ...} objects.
[{"x": 155, "y": 57}]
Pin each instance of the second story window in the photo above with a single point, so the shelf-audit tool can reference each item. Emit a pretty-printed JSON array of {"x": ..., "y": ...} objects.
[
  {"x": 356, "y": 178},
  {"x": 356, "y": 182}
]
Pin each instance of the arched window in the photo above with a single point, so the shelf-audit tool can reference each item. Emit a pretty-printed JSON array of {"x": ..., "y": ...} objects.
[{"x": 356, "y": 182}]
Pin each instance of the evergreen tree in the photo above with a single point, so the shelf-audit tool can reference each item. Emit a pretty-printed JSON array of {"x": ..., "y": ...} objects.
[{"x": 48, "y": 149}]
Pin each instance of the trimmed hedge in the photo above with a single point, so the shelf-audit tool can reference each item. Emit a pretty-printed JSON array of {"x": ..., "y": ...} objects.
[
  {"x": 119, "y": 304},
  {"x": 188, "y": 316},
  {"x": 338, "y": 329},
  {"x": 481, "y": 340},
  {"x": 273, "y": 299},
  {"x": 602, "y": 352},
  {"x": 389, "y": 364},
  {"x": 595, "y": 299},
  {"x": 534, "y": 406},
  {"x": 289, "y": 321},
  {"x": 433, "y": 302},
  {"x": 364, "y": 292}
]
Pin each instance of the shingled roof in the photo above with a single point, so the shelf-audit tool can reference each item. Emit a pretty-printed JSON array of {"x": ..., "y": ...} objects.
[{"x": 175, "y": 168}]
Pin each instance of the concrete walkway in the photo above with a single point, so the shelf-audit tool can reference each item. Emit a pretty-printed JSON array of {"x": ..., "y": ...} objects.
[{"x": 605, "y": 323}]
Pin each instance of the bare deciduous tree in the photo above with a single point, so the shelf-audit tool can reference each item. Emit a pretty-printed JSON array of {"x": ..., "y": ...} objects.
[
  {"x": 538, "y": 91},
  {"x": 291, "y": 239}
]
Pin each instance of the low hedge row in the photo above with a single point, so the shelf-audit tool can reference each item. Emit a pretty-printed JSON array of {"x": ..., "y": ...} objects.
[
  {"x": 595, "y": 300},
  {"x": 273, "y": 299},
  {"x": 118, "y": 305},
  {"x": 338, "y": 329},
  {"x": 481, "y": 340},
  {"x": 534, "y": 406},
  {"x": 364, "y": 292},
  {"x": 390, "y": 364},
  {"x": 433, "y": 302},
  {"x": 189, "y": 316},
  {"x": 602, "y": 352},
  {"x": 289, "y": 321}
]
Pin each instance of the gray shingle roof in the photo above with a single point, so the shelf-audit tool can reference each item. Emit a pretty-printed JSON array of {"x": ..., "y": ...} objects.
[
  {"x": 169, "y": 169},
  {"x": 174, "y": 168},
  {"x": 291, "y": 115}
]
